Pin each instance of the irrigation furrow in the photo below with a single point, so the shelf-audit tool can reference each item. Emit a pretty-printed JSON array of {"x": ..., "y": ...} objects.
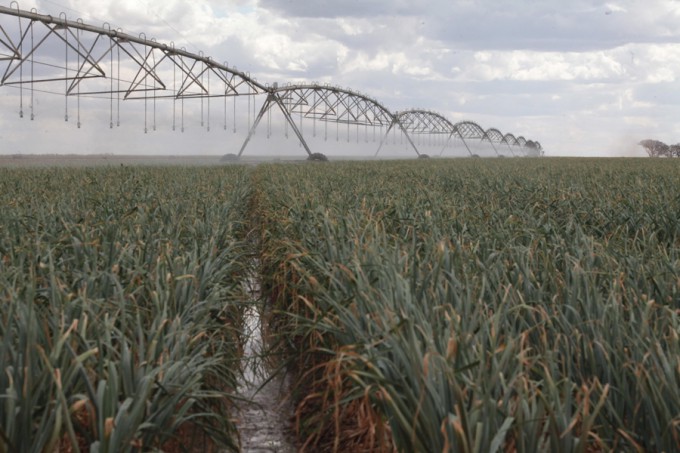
[{"x": 264, "y": 413}]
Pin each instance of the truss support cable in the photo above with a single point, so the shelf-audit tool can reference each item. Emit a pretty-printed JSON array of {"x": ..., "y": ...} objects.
[
  {"x": 466, "y": 145},
  {"x": 408, "y": 138},
  {"x": 118, "y": 89},
  {"x": 269, "y": 122},
  {"x": 21, "y": 72},
  {"x": 448, "y": 140},
  {"x": 494, "y": 147},
  {"x": 111, "y": 83},
  {"x": 153, "y": 126},
  {"x": 265, "y": 107},
  {"x": 225, "y": 104},
  {"x": 285, "y": 123},
  {"x": 77, "y": 76},
  {"x": 301, "y": 128},
  {"x": 145, "y": 110},
  {"x": 396, "y": 122},
  {"x": 32, "y": 74},
  {"x": 292, "y": 124},
  {"x": 385, "y": 138},
  {"x": 66, "y": 69},
  {"x": 510, "y": 148},
  {"x": 174, "y": 97},
  {"x": 208, "y": 106}
]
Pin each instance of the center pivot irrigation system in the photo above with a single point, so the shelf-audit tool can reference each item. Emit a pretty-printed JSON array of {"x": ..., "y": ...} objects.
[{"x": 42, "y": 53}]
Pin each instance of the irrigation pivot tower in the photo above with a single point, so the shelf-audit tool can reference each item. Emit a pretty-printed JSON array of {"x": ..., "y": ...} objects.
[{"x": 42, "y": 53}]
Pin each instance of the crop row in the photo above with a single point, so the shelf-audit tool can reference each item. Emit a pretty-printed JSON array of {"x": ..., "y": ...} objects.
[
  {"x": 478, "y": 305},
  {"x": 120, "y": 292}
]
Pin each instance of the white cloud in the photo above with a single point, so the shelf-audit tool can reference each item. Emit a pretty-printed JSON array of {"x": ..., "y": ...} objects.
[
  {"x": 614, "y": 8},
  {"x": 540, "y": 66}
]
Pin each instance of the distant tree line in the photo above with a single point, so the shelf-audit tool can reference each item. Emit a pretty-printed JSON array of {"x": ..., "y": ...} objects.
[{"x": 655, "y": 148}]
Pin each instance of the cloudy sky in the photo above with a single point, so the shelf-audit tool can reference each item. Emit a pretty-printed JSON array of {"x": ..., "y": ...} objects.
[{"x": 583, "y": 77}]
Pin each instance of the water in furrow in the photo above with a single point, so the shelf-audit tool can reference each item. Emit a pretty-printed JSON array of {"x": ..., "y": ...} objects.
[{"x": 264, "y": 414}]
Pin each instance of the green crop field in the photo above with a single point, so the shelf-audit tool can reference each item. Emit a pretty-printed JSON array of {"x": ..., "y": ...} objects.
[
  {"x": 113, "y": 285},
  {"x": 467, "y": 305}
]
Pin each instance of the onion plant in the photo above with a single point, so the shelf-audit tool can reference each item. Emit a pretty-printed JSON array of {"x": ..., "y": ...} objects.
[
  {"x": 478, "y": 305},
  {"x": 116, "y": 286}
]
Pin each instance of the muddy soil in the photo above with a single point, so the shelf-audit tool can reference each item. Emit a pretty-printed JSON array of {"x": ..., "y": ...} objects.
[{"x": 264, "y": 417}]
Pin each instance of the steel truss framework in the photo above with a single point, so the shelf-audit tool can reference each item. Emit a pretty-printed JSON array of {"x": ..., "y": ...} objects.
[
  {"x": 46, "y": 53},
  {"x": 327, "y": 104},
  {"x": 432, "y": 123}
]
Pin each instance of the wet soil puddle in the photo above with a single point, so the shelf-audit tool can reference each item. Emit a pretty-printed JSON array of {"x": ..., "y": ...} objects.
[{"x": 264, "y": 415}]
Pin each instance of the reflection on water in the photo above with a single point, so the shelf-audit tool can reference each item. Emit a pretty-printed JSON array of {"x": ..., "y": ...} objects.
[{"x": 264, "y": 416}]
